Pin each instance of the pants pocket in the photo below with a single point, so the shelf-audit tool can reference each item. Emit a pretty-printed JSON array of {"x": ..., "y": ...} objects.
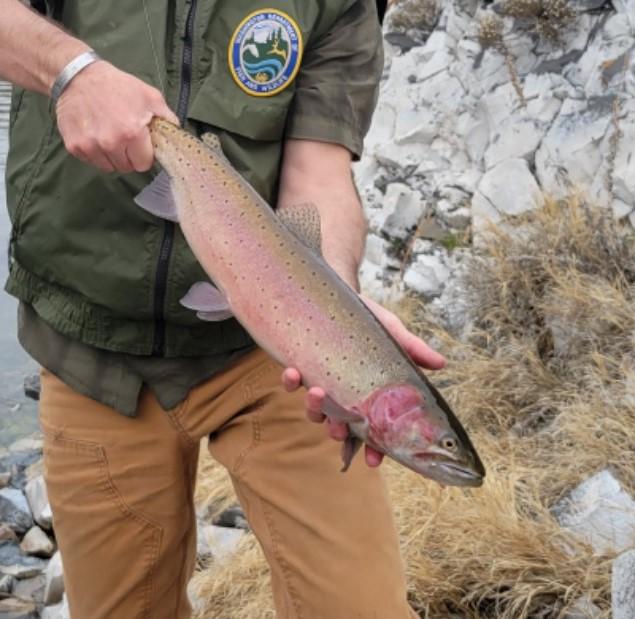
[{"x": 109, "y": 551}]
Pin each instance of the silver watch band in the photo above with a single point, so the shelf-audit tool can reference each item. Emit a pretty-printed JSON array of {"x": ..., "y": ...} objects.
[{"x": 70, "y": 71}]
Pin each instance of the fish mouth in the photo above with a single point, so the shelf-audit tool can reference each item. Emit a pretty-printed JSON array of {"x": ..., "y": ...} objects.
[{"x": 448, "y": 472}]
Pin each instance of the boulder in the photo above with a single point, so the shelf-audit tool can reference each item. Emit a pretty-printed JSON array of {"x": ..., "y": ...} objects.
[
  {"x": 427, "y": 275},
  {"x": 30, "y": 589},
  {"x": 623, "y": 586},
  {"x": 32, "y": 386},
  {"x": 54, "y": 587},
  {"x": 583, "y": 608},
  {"x": 28, "y": 444},
  {"x": 12, "y": 608},
  {"x": 404, "y": 209},
  {"x": 7, "y": 533},
  {"x": 233, "y": 517},
  {"x": 599, "y": 512},
  {"x": 509, "y": 188},
  {"x": 37, "y": 543},
  {"x": 6, "y": 585},
  {"x": 222, "y": 541},
  {"x": 16, "y": 462},
  {"x": 14, "y": 510},
  {"x": 14, "y": 563},
  {"x": 58, "y": 611},
  {"x": 37, "y": 497}
]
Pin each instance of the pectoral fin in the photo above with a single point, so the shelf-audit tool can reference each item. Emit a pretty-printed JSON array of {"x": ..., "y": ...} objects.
[
  {"x": 349, "y": 449},
  {"x": 157, "y": 198},
  {"x": 208, "y": 302}
]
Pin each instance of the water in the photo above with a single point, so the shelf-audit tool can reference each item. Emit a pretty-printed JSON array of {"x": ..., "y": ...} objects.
[{"x": 17, "y": 414}]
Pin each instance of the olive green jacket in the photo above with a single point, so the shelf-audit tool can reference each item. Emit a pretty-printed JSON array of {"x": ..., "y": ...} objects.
[{"x": 102, "y": 271}]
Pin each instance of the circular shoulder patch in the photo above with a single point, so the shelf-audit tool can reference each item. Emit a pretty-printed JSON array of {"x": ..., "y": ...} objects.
[{"x": 265, "y": 52}]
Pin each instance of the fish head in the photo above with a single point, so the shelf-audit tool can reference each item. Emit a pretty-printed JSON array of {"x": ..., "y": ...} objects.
[{"x": 408, "y": 423}]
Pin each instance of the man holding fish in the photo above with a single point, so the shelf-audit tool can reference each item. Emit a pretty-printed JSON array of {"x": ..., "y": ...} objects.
[{"x": 133, "y": 378}]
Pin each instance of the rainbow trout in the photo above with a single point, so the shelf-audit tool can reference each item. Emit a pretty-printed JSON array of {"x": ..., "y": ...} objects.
[{"x": 269, "y": 273}]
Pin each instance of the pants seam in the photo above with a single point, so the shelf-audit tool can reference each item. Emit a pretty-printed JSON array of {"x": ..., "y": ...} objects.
[
  {"x": 175, "y": 419},
  {"x": 157, "y": 536},
  {"x": 284, "y": 568},
  {"x": 256, "y": 428}
]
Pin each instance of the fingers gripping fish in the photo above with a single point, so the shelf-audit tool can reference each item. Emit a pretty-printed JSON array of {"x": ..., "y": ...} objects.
[{"x": 268, "y": 272}]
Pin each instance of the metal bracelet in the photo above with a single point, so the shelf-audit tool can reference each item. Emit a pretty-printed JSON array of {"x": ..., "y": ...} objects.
[{"x": 70, "y": 71}]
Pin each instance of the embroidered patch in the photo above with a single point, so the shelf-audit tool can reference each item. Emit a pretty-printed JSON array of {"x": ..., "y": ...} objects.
[{"x": 265, "y": 52}]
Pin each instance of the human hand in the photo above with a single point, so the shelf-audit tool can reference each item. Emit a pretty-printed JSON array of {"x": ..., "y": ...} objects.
[
  {"x": 414, "y": 346},
  {"x": 103, "y": 117}
]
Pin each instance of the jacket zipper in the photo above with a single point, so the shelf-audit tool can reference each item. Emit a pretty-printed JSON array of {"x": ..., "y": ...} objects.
[{"x": 167, "y": 242}]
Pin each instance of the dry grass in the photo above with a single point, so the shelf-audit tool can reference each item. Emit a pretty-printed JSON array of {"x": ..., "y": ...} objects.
[
  {"x": 548, "y": 18},
  {"x": 419, "y": 14},
  {"x": 545, "y": 381}
]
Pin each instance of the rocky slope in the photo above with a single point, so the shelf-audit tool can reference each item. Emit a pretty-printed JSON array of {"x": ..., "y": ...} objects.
[{"x": 487, "y": 108}]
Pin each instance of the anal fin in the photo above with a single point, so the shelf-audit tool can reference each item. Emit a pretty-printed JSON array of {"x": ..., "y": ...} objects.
[{"x": 349, "y": 449}]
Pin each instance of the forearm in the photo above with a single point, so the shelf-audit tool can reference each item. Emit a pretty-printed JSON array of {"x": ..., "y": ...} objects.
[
  {"x": 343, "y": 224},
  {"x": 33, "y": 51},
  {"x": 343, "y": 232}
]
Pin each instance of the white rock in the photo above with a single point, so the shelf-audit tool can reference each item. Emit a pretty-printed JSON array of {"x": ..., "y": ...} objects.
[
  {"x": 626, "y": 7},
  {"x": 400, "y": 155},
  {"x": 203, "y": 550},
  {"x": 382, "y": 128},
  {"x": 511, "y": 139},
  {"x": 27, "y": 444},
  {"x": 37, "y": 496},
  {"x": 405, "y": 208},
  {"x": 12, "y": 608},
  {"x": 623, "y": 586},
  {"x": 621, "y": 209},
  {"x": 222, "y": 541},
  {"x": 376, "y": 250},
  {"x": 623, "y": 177},
  {"x": 427, "y": 275},
  {"x": 591, "y": 68},
  {"x": 30, "y": 589},
  {"x": 507, "y": 189},
  {"x": 583, "y": 608},
  {"x": 14, "y": 510},
  {"x": 568, "y": 157},
  {"x": 6, "y": 584},
  {"x": 59, "y": 611},
  {"x": 54, "y": 590},
  {"x": 600, "y": 513},
  {"x": 37, "y": 543}
]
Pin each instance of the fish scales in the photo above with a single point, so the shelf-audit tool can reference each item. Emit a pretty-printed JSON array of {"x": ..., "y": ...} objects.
[
  {"x": 298, "y": 309},
  {"x": 270, "y": 277}
]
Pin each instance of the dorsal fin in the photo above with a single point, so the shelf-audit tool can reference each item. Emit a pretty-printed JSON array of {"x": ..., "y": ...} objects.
[{"x": 304, "y": 221}]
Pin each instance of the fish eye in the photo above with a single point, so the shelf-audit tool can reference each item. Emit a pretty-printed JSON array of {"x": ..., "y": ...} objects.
[{"x": 449, "y": 443}]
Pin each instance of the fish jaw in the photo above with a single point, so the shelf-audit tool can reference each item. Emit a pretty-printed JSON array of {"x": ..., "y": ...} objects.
[{"x": 405, "y": 423}]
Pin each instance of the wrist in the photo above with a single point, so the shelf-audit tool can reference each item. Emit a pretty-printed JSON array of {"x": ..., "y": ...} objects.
[{"x": 70, "y": 71}]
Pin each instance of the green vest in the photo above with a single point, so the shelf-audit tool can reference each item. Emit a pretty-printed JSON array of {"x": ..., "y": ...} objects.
[{"x": 92, "y": 264}]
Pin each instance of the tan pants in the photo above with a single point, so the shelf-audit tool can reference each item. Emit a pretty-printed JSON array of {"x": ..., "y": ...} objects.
[{"x": 121, "y": 492}]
